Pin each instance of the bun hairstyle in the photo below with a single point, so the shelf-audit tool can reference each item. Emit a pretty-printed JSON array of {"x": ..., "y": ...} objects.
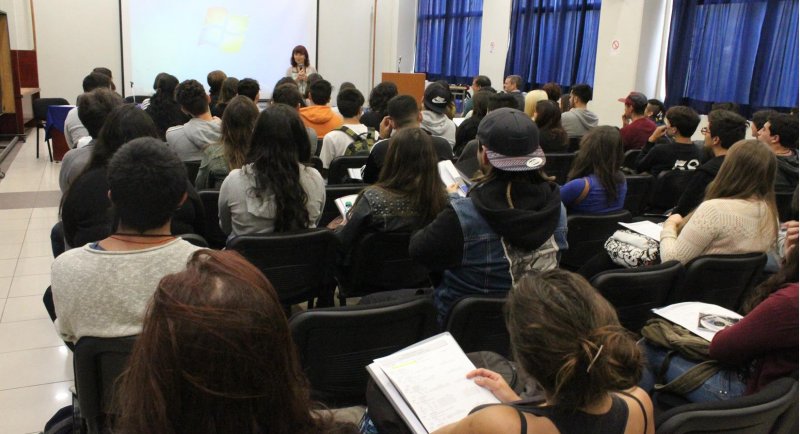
[{"x": 568, "y": 337}]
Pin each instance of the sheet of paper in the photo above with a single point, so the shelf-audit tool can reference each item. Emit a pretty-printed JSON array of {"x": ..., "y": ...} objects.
[
  {"x": 450, "y": 175},
  {"x": 356, "y": 173},
  {"x": 687, "y": 315},
  {"x": 431, "y": 377},
  {"x": 344, "y": 204},
  {"x": 385, "y": 384},
  {"x": 646, "y": 228}
]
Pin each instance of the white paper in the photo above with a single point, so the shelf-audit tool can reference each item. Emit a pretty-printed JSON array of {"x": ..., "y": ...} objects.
[
  {"x": 646, "y": 228},
  {"x": 356, "y": 173},
  {"x": 458, "y": 121},
  {"x": 344, "y": 204},
  {"x": 431, "y": 377},
  {"x": 450, "y": 175},
  {"x": 396, "y": 399},
  {"x": 687, "y": 315}
]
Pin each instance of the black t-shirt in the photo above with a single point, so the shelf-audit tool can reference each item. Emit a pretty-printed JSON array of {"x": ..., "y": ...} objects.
[
  {"x": 696, "y": 190},
  {"x": 668, "y": 156},
  {"x": 465, "y": 132},
  {"x": 378, "y": 154},
  {"x": 372, "y": 119}
]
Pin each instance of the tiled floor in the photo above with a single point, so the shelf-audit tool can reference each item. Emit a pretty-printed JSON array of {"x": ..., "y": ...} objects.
[{"x": 35, "y": 366}]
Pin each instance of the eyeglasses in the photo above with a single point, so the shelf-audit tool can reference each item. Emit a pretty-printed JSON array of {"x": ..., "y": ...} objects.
[{"x": 704, "y": 130}]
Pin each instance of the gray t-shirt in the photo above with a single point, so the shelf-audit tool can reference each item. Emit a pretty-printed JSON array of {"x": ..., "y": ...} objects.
[
  {"x": 73, "y": 164},
  {"x": 73, "y": 128},
  {"x": 190, "y": 139}
]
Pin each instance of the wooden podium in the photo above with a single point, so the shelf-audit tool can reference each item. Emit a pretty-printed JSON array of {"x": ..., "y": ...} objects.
[{"x": 407, "y": 83}]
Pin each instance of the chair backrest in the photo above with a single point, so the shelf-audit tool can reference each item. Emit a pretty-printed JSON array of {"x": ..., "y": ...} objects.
[
  {"x": 629, "y": 160},
  {"x": 336, "y": 344},
  {"x": 214, "y": 235},
  {"x": 574, "y": 144},
  {"x": 192, "y": 167},
  {"x": 215, "y": 180},
  {"x": 40, "y": 106},
  {"x": 668, "y": 188},
  {"x": 195, "y": 239},
  {"x": 380, "y": 262},
  {"x": 638, "y": 193},
  {"x": 784, "y": 202},
  {"x": 98, "y": 362},
  {"x": 719, "y": 279},
  {"x": 772, "y": 410},
  {"x": 333, "y": 192},
  {"x": 477, "y": 323},
  {"x": 635, "y": 291},
  {"x": 337, "y": 171},
  {"x": 298, "y": 264},
  {"x": 558, "y": 165},
  {"x": 587, "y": 234},
  {"x": 138, "y": 99},
  {"x": 316, "y": 163}
]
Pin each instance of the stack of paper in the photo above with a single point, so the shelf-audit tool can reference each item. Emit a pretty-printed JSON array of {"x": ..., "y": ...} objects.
[
  {"x": 450, "y": 175},
  {"x": 344, "y": 204},
  {"x": 702, "y": 319}
]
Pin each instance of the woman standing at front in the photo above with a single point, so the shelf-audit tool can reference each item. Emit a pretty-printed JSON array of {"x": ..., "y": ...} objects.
[{"x": 301, "y": 67}]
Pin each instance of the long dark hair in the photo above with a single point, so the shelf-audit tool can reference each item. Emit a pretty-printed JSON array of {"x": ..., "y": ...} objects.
[
  {"x": 237, "y": 127},
  {"x": 601, "y": 154},
  {"x": 302, "y": 50},
  {"x": 410, "y": 169},
  {"x": 787, "y": 274},
  {"x": 275, "y": 147},
  {"x": 123, "y": 124},
  {"x": 215, "y": 355},
  {"x": 163, "y": 109}
]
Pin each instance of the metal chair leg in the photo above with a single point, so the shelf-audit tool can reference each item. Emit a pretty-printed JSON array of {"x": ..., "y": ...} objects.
[
  {"x": 49, "y": 150},
  {"x": 37, "y": 141}
]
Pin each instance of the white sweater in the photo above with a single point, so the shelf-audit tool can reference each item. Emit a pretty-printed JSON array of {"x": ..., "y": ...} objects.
[{"x": 104, "y": 294}]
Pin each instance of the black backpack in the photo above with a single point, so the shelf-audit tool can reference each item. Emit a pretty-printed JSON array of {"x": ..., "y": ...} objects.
[{"x": 362, "y": 143}]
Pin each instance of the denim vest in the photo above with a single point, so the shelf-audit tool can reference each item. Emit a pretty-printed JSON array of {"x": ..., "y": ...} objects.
[{"x": 489, "y": 264}]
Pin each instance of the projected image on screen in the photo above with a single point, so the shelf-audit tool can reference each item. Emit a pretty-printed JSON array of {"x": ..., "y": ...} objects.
[{"x": 243, "y": 38}]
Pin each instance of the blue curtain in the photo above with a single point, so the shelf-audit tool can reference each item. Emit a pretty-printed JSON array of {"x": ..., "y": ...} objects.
[
  {"x": 449, "y": 39},
  {"x": 553, "y": 40},
  {"x": 742, "y": 51}
]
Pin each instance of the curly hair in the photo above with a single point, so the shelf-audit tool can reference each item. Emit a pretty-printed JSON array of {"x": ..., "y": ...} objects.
[{"x": 191, "y": 95}]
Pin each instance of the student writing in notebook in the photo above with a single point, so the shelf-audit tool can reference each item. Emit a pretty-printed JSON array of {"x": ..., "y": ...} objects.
[{"x": 567, "y": 337}]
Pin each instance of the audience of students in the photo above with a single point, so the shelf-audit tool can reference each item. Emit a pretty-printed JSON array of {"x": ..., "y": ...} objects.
[
  {"x": 738, "y": 214},
  {"x": 191, "y": 139},
  {"x": 636, "y": 127},
  {"x": 319, "y": 115},
  {"x": 567, "y": 337},
  {"x": 165, "y": 111},
  {"x": 231, "y": 151},
  {"x": 780, "y": 132},
  {"x": 595, "y": 183},
  {"x": 436, "y": 102},
  {"x": 275, "y": 192},
  {"x": 378, "y": 100},
  {"x": 552, "y": 137},
  {"x": 578, "y": 120},
  {"x": 504, "y": 228},
  {"x": 229, "y": 89},
  {"x": 677, "y": 152},
  {"x": 336, "y": 143}
]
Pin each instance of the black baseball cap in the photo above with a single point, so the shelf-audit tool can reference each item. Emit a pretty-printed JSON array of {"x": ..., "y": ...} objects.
[{"x": 511, "y": 139}]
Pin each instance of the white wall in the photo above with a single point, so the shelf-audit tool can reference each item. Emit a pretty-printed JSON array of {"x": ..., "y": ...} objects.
[
  {"x": 344, "y": 48},
  {"x": 494, "y": 40},
  {"x": 20, "y": 30}
]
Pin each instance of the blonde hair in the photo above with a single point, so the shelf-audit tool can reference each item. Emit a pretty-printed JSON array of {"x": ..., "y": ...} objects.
[{"x": 532, "y": 98}]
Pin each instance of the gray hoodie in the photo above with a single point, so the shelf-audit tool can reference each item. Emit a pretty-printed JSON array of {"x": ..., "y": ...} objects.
[
  {"x": 439, "y": 125},
  {"x": 578, "y": 122},
  {"x": 190, "y": 139}
]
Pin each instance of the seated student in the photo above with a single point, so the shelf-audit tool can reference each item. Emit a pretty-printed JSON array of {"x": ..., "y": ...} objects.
[
  {"x": 468, "y": 159},
  {"x": 93, "y": 109},
  {"x": 230, "y": 88},
  {"x": 403, "y": 113},
  {"x": 738, "y": 214},
  {"x": 636, "y": 127},
  {"x": 74, "y": 130},
  {"x": 780, "y": 134},
  {"x": 214, "y": 79},
  {"x": 478, "y": 82},
  {"x": 190, "y": 139},
  {"x": 596, "y": 185},
  {"x": 336, "y": 143},
  {"x": 101, "y": 289},
  {"x": 553, "y": 91},
  {"x": 552, "y": 137},
  {"x": 378, "y": 100},
  {"x": 237, "y": 127},
  {"x": 249, "y": 88},
  {"x": 724, "y": 129},
  {"x": 288, "y": 93},
  {"x": 504, "y": 227},
  {"x": 165, "y": 111},
  {"x": 679, "y": 153},
  {"x": 567, "y": 337},
  {"x": 468, "y": 129},
  {"x": 408, "y": 195},
  {"x": 215, "y": 355},
  {"x": 275, "y": 192},
  {"x": 319, "y": 116},
  {"x": 655, "y": 111},
  {"x": 759, "y": 119},
  {"x": 512, "y": 86},
  {"x": 578, "y": 120},
  {"x": 531, "y": 99},
  {"x": 435, "y": 120},
  {"x": 85, "y": 209}
]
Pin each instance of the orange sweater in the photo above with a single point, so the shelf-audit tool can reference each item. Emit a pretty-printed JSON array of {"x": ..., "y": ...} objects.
[{"x": 321, "y": 118}]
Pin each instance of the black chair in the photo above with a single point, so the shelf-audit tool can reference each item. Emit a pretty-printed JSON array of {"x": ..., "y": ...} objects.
[
  {"x": 587, "y": 234},
  {"x": 192, "y": 167},
  {"x": 477, "y": 323},
  {"x": 138, "y": 99},
  {"x": 333, "y": 192},
  {"x": 298, "y": 264},
  {"x": 639, "y": 187},
  {"x": 380, "y": 262},
  {"x": 574, "y": 144},
  {"x": 631, "y": 155},
  {"x": 336, "y": 344},
  {"x": 40, "y": 116},
  {"x": 772, "y": 410},
  {"x": 319, "y": 147},
  {"x": 558, "y": 165},
  {"x": 316, "y": 163},
  {"x": 667, "y": 189},
  {"x": 784, "y": 202},
  {"x": 635, "y": 291},
  {"x": 215, "y": 179},
  {"x": 214, "y": 235},
  {"x": 337, "y": 172},
  {"x": 719, "y": 279},
  {"x": 98, "y": 362},
  {"x": 195, "y": 239}
]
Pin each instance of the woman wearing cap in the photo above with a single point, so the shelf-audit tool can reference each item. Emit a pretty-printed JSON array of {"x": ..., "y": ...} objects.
[
  {"x": 504, "y": 227},
  {"x": 434, "y": 117},
  {"x": 567, "y": 337}
]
